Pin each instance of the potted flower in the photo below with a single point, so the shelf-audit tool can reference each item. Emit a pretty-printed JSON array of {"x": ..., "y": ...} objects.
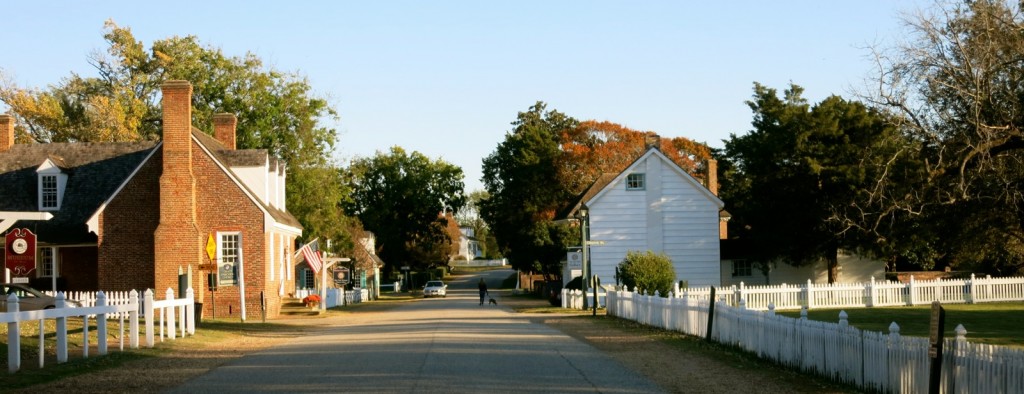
[{"x": 311, "y": 300}]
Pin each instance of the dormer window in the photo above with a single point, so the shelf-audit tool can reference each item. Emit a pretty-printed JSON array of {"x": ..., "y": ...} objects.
[
  {"x": 51, "y": 183},
  {"x": 635, "y": 182},
  {"x": 48, "y": 192}
]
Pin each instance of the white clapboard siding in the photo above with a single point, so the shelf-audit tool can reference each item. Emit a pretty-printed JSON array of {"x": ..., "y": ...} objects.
[{"x": 673, "y": 215}]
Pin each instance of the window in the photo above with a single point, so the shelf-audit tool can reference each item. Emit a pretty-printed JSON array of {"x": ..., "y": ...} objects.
[
  {"x": 635, "y": 182},
  {"x": 309, "y": 278},
  {"x": 230, "y": 256},
  {"x": 46, "y": 262},
  {"x": 741, "y": 268},
  {"x": 48, "y": 192}
]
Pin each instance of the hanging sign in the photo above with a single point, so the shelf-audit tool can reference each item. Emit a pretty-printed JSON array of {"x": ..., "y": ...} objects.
[{"x": 20, "y": 253}]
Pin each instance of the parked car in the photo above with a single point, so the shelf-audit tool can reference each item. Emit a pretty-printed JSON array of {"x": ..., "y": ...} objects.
[
  {"x": 29, "y": 299},
  {"x": 435, "y": 288}
]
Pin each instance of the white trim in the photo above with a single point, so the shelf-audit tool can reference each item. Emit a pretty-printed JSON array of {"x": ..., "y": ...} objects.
[{"x": 93, "y": 223}]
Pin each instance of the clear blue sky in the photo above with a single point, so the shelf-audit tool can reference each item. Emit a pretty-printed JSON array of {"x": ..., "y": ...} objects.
[{"x": 446, "y": 78}]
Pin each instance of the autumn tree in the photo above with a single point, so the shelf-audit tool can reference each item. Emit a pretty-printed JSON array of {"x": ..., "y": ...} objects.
[
  {"x": 956, "y": 82},
  {"x": 400, "y": 197},
  {"x": 276, "y": 111},
  {"x": 593, "y": 148}
]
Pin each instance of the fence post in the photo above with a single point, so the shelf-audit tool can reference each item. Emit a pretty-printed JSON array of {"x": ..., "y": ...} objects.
[
  {"x": 771, "y": 309},
  {"x": 872, "y": 296},
  {"x": 13, "y": 337},
  {"x": 972, "y": 290},
  {"x": 911, "y": 297},
  {"x": 741, "y": 300},
  {"x": 133, "y": 319},
  {"x": 169, "y": 312},
  {"x": 62, "y": 333},
  {"x": 844, "y": 321},
  {"x": 190, "y": 312},
  {"x": 147, "y": 305},
  {"x": 101, "y": 325},
  {"x": 810, "y": 294}
]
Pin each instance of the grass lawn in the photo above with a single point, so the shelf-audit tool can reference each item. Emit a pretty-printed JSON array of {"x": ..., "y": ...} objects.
[{"x": 992, "y": 323}]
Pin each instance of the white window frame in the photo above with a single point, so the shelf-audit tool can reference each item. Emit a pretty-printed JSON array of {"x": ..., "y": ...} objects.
[
  {"x": 47, "y": 265},
  {"x": 234, "y": 259},
  {"x": 636, "y": 181}
]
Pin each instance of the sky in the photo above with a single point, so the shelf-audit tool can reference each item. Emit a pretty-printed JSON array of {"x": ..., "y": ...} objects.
[{"x": 446, "y": 78}]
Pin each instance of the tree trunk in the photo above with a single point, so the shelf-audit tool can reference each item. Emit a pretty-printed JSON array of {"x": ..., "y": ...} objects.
[{"x": 833, "y": 263}]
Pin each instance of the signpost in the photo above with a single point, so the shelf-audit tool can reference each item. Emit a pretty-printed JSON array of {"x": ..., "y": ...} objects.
[
  {"x": 935, "y": 339},
  {"x": 211, "y": 275},
  {"x": 20, "y": 253}
]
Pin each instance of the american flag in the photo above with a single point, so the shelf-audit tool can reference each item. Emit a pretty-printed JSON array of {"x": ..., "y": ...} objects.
[{"x": 311, "y": 252}]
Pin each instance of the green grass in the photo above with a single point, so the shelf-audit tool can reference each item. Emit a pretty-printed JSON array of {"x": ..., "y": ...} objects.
[{"x": 992, "y": 323}]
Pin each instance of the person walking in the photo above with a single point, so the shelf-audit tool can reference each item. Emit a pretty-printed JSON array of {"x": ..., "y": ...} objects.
[{"x": 483, "y": 290}]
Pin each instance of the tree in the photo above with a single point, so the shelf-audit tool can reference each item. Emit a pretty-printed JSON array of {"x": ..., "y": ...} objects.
[
  {"x": 526, "y": 192},
  {"x": 594, "y": 148},
  {"x": 276, "y": 111},
  {"x": 470, "y": 217},
  {"x": 401, "y": 197},
  {"x": 957, "y": 83},
  {"x": 797, "y": 172},
  {"x": 647, "y": 271}
]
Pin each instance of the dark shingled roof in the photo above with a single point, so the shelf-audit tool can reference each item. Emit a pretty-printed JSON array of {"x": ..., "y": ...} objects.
[{"x": 95, "y": 171}]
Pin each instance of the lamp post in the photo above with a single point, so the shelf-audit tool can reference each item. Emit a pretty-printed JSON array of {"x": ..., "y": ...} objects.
[{"x": 584, "y": 236}]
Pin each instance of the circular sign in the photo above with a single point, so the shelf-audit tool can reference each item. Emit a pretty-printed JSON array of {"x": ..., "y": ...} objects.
[{"x": 19, "y": 246}]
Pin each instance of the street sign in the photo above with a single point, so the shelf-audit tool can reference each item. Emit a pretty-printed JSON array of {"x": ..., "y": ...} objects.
[
  {"x": 595, "y": 242},
  {"x": 208, "y": 267},
  {"x": 341, "y": 275},
  {"x": 211, "y": 248},
  {"x": 405, "y": 268}
]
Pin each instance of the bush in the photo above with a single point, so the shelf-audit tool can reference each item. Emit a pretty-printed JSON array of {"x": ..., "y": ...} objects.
[{"x": 647, "y": 271}]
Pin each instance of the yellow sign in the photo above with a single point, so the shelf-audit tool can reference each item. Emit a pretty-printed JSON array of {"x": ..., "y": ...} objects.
[{"x": 211, "y": 247}]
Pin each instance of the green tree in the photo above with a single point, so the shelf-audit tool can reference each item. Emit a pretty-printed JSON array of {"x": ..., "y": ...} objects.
[
  {"x": 794, "y": 177},
  {"x": 647, "y": 271},
  {"x": 525, "y": 192},
  {"x": 957, "y": 82},
  {"x": 470, "y": 217},
  {"x": 276, "y": 111},
  {"x": 400, "y": 197}
]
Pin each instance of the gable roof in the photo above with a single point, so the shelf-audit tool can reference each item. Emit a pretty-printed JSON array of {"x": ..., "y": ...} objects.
[
  {"x": 226, "y": 158},
  {"x": 601, "y": 185},
  {"x": 96, "y": 171}
]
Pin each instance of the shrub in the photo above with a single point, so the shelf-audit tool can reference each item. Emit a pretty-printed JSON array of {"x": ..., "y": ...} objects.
[{"x": 647, "y": 271}]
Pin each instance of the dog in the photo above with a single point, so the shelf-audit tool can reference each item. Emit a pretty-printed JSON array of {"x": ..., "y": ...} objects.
[{"x": 492, "y": 302}]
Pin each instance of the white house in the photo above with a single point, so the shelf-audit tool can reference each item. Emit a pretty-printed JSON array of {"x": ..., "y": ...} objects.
[
  {"x": 736, "y": 269},
  {"x": 469, "y": 246},
  {"x": 654, "y": 205}
]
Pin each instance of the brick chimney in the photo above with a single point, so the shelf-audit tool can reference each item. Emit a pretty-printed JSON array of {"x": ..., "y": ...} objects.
[
  {"x": 652, "y": 140},
  {"x": 224, "y": 129},
  {"x": 177, "y": 242},
  {"x": 6, "y": 132}
]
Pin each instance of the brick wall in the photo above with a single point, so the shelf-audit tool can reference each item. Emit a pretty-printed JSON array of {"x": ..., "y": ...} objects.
[
  {"x": 127, "y": 225},
  {"x": 83, "y": 270},
  {"x": 222, "y": 206}
]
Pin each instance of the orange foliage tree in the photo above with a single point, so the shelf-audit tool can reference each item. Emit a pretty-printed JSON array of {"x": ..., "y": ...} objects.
[{"x": 593, "y": 148}]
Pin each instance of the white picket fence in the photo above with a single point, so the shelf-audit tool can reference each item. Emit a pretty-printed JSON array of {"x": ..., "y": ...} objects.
[
  {"x": 860, "y": 295},
  {"x": 333, "y": 296},
  {"x": 871, "y": 360},
  {"x": 173, "y": 315}
]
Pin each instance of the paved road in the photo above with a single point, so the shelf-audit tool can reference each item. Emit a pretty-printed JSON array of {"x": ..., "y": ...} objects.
[{"x": 437, "y": 345}]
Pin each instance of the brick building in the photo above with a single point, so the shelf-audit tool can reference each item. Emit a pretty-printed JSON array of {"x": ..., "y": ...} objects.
[{"x": 135, "y": 215}]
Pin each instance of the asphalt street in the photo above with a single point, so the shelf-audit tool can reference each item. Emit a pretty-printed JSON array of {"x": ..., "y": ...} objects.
[{"x": 437, "y": 345}]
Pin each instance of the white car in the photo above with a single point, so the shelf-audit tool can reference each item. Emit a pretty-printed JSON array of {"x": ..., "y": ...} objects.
[{"x": 435, "y": 288}]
